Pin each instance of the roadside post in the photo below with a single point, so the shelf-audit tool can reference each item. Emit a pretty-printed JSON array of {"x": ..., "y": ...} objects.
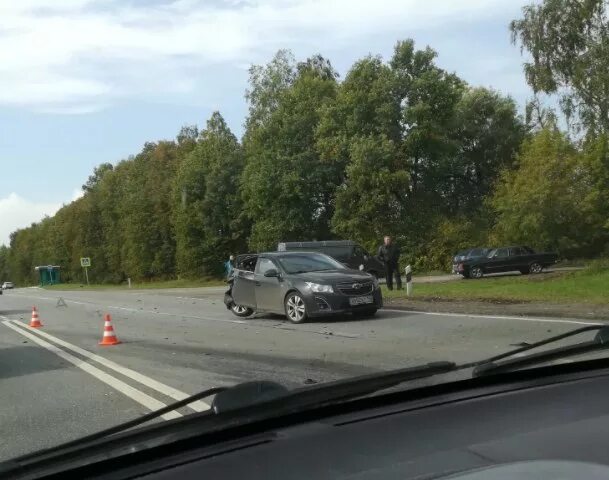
[
  {"x": 85, "y": 262},
  {"x": 408, "y": 274},
  {"x": 129, "y": 282}
]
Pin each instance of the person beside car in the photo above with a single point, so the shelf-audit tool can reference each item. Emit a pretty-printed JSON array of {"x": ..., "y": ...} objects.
[{"x": 389, "y": 254}]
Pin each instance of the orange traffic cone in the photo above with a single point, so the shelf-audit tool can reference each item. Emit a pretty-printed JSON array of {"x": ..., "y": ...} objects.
[
  {"x": 109, "y": 337},
  {"x": 35, "y": 321}
]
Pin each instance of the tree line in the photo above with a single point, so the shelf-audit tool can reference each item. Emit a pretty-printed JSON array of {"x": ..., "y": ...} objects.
[{"x": 399, "y": 147}]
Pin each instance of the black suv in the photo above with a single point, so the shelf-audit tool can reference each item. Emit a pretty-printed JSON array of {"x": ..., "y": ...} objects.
[
  {"x": 507, "y": 259},
  {"x": 347, "y": 252}
]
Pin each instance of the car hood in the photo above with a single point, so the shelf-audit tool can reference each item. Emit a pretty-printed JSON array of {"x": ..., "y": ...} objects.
[{"x": 333, "y": 276}]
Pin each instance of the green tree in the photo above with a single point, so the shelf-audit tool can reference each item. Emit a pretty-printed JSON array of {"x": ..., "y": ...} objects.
[
  {"x": 550, "y": 200},
  {"x": 207, "y": 202},
  {"x": 5, "y": 274},
  {"x": 371, "y": 202},
  {"x": 287, "y": 189},
  {"x": 488, "y": 134},
  {"x": 568, "y": 42}
]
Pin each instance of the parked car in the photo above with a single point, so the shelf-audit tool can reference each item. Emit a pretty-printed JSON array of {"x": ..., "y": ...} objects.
[
  {"x": 347, "y": 252},
  {"x": 7, "y": 285},
  {"x": 301, "y": 285},
  {"x": 468, "y": 254},
  {"x": 507, "y": 259}
]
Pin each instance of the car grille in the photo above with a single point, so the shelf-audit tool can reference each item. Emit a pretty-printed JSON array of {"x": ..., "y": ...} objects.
[{"x": 355, "y": 288}]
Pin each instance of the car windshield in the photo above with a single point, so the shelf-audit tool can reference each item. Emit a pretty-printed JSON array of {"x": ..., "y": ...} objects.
[
  {"x": 308, "y": 262},
  {"x": 198, "y": 193}
]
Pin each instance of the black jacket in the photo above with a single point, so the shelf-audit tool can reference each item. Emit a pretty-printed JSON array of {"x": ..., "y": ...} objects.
[{"x": 389, "y": 255}]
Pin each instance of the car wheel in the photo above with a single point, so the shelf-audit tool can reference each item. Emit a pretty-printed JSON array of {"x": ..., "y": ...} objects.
[
  {"x": 535, "y": 268},
  {"x": 241, "y": 311},
  {"x": 295, "y": 308},
  {"x": 525, "y": 271},
  {"x": 366, "y": 312},
  {"x": 475, "y": 272}
]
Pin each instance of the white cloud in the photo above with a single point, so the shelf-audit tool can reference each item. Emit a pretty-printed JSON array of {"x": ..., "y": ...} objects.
[
  {"x": 17, "y": 212},
  {"x": 77, "y": 193},
  {"x": 78, "y": 56}
]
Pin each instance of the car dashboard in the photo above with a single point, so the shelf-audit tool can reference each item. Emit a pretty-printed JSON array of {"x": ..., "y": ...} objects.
[{"x": 550, "y": 431}]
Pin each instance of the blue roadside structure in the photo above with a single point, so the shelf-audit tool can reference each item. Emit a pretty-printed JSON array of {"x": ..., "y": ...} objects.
[{"x": 48, "y": 274}]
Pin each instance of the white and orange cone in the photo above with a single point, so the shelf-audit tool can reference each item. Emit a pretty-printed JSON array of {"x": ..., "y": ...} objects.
[
  {"x": 109, "y": 337},
  {"x": 35, "y": 321}
]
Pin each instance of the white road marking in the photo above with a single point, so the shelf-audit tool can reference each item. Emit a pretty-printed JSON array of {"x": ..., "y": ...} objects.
[
  {"x": 496, "y": 317},
  {"x": 198, "y": 406},
  {"x": 133, "y": 393}
]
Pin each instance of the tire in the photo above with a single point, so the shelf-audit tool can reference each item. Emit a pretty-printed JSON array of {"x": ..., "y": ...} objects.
[
  {"x": 241, "y": 311},
  {"x": 535, "y": 268},
  {"x": 476, "y": 272},
  {"x": 295, "y": 307},
  {"x": 365, "y": 313},
  {"x": 525, "y": 271}
]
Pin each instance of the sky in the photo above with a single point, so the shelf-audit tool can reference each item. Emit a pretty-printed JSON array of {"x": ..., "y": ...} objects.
[{"x": 84, "y": 82}]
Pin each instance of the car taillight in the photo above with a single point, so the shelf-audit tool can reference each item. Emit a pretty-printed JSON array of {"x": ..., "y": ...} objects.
[{"x": 460, "y": 267}]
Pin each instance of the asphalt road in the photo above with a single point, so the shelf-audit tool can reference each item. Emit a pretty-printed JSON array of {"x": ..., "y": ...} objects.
[{"x": 57, "y": 383}]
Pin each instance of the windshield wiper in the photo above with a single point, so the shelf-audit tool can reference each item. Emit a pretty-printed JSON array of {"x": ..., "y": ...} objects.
[
  {"x": 243, "y": 395},
  {"x": 493, "y": 365}
]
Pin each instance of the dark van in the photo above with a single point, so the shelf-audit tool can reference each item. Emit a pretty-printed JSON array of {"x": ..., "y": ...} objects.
[{"x": 345, "y": 251}]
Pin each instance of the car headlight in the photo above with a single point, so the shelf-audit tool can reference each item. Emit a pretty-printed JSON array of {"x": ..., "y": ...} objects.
[{"x": 319, "y": 288}]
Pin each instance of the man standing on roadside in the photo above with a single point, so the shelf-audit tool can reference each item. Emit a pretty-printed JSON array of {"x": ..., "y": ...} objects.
[
  {"x": 229, "y": 266},
  {"x": 389, "y": 254}
]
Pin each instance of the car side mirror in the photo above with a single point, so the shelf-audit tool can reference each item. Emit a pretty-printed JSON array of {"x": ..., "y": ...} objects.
[{"x": 271, "y": 273}]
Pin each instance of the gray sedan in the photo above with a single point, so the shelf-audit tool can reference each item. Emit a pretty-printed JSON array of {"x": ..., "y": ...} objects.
[{"x": 301, "y": 285}]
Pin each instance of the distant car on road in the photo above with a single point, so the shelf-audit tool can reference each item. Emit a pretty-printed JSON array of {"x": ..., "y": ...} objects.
[
  {"x": 468, "y": 254},
  {"x": 300, "y": 285},
  {"x": 7, "y": 285},
  {"x": 507, "y": 259},
  {"x": 347, "y": 252}
]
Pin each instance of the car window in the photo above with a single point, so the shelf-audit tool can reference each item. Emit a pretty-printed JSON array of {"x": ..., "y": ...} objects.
[
  {"x": 247, "y": 263},
  {"x": 311, "y": 262},
  {"x": 339, "y": 253},
  {"x": 476, "y": 252},
  {"x": 517, "y": 251},
  {"x": 264, "y": 265},
  {"x": 359, "y": 252},
  {"x": 501, "y": 252}
]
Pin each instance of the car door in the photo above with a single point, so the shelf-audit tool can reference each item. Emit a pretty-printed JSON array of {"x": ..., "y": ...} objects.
[
  {"x": 358, "y": 257},
  {"x": 518, "y": 258},
  {"x": 498, "y": 262},
  {"x": 269, "y": 290},
  {"x": 243, "y": 291}
]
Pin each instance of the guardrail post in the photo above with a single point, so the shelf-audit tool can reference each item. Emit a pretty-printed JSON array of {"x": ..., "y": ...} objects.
[{"x": 408, "y": 274}]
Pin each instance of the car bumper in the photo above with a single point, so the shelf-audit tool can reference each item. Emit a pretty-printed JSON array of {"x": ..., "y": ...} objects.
[{"x": 321, "y": 304}]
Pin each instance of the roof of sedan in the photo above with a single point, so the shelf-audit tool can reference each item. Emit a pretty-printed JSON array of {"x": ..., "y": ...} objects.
[
  {"x": 288, "y": 254},
  {"x": 279, "y": 254}
]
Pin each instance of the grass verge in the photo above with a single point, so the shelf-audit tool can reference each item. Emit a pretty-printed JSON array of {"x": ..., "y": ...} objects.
[
  {"x": 586, "y": 286},
  {"x": 140, "y": 286}
]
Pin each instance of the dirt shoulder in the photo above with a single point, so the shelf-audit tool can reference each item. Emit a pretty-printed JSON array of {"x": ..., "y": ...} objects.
[{"x": 494, "y": 307}]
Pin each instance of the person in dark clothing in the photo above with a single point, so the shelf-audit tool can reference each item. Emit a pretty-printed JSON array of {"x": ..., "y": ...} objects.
[{"x": 389, "y": 254}]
